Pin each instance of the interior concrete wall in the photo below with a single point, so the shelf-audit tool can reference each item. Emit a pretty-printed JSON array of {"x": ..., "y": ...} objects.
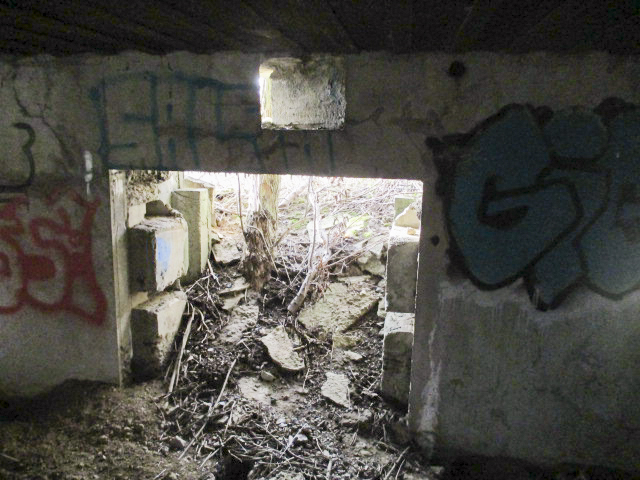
[
  {"x": 197, "y": 112},
  {"x": 303, "y": 95},
  {"x": 128, "y": 207}
]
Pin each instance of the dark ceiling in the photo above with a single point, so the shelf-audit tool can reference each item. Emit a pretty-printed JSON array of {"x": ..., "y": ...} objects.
[{"x": 63, "y": 27}]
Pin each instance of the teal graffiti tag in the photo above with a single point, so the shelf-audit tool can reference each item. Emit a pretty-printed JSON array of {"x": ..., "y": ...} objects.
[{"x": 549, "y": 197}]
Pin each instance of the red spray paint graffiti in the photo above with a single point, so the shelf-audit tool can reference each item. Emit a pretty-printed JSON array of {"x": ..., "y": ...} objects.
[{"x": 46, "y": 262}]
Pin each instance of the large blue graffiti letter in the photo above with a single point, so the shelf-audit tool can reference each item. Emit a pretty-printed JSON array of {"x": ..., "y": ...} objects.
[
  {"x": 501, "y": 216},
  {"x": 611, "y": 247}
]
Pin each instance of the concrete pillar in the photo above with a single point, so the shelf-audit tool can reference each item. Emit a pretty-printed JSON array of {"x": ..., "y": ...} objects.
[
  {"x": 154, "y": 325},
  {"x": 402, "y": 269},
  {"x": 158, "y": 253},
  {"x": 396, "y": 356},
  {"x": 194, "y": 205}
]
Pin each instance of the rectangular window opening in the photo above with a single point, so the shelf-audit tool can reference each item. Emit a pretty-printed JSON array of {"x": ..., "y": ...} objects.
[{"x": 302, "y": 95}]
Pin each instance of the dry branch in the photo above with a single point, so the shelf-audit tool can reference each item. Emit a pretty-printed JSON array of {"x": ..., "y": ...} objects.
[{"x": 318, "y": 257}]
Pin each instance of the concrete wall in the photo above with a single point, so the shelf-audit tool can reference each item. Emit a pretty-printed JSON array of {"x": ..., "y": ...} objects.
[
  {"x": 302, "y": 95},
  {"x": 130, "y": 192},
  {"x": 56, "y": 273},
  {"x": 570, "y": 370}
]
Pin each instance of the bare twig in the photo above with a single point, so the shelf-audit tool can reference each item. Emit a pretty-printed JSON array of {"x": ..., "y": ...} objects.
[
  {"x": 211, "y": 409},
  {"x": 240, "y": 203},
  {"x": 174, "y": 378},
  {"x": 396, "y": 463}
]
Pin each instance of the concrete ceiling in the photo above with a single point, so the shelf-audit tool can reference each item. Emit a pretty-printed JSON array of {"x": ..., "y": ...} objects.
[{"x": 64, "y": 27}]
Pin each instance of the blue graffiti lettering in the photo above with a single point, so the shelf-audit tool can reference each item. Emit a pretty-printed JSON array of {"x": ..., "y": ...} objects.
[
  {"x": 550, "y": 198},
  {"x": 173, "y": 121},
  {"x": 137, "y": 109}
]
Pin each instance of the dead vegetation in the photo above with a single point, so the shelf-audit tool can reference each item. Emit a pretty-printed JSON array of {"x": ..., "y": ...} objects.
[
  {"x": 225, "y": 411},
  {"x": 285, "y": 424}
]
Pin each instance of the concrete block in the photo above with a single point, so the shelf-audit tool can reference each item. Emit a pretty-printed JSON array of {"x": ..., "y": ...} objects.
[
  {"x": 402, "y": 270},
  {"x": 407, "y": 218},
  {"x": 136, "y": 214},
  {"x": 158, "y": 253},
  {"x": 396, "y": 356},
  {"x": 195, "y": 207},
  {"x": 154, "y": 325}
]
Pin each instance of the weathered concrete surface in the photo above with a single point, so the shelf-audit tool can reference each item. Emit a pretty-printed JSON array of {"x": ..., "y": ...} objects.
[
  {"x": 158, "y": 252},
  {"x": 195, "y": 206},
  {"x": 395, "y": 103},
  {"x": 494, "y": 376},
  {"x": 229, "y": 302},
  {"x": 336, "y": 389},
  {"x": 371, "y": 261},
  {"x": 238, "y": 285},
  {"x": 136, "y": 214},
  {"x": 407, "y": 218},
  {"x": 243, "y": 318},
  {"x": 396, "y": 356},
  {"x": 59, "y": 324},
  {"x": 154, "y": 325},
  {"x": 402, "y": 270},
  {"x": 573, "y": 372},
  {"x": 303, "y": 95},
  {"x": 281, "y": 350},
  {"x": 342, "y": 305},
  {"x": 229, "y": 250}
]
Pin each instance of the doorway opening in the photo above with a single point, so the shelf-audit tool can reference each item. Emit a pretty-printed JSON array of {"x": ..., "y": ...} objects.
[{"x": 307, "y": 369}]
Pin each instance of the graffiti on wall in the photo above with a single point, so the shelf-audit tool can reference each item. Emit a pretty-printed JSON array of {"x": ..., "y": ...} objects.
[
  {"x": 549, "y": 197},
  {"x": 46, "y": 261},
  {"x": 174, "y": 121}
]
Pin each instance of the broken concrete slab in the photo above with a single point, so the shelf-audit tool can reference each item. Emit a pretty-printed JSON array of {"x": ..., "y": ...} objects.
[
  {"x": 158, "y": 253},
  {"x": 396, "y": 356},
  {"x": 402, "y": 270},
  {"x": 345, "y": 340},
  {"x": 195, "y": 207},
  {"x": 353, "y": 356},
  {"x": 342, "y": 305},
  {"x": 371, "y": 264},
  {"x": 280, "y": 349},
  {"x": 336, "y": 389},
  {"x": 356, "y": 419},
  {"x": 371, "y": 260},
  {"x": 239, "y": 285},
  {"x": 243, "y": 318},
  {"x": 230, "y": 302},
  {"x": 408, "y": 218},
  {"x": 154, "y": 325},
  {"x": 229, "y": 250},
  {"x": 375, "y": 245},
  {"x": 271, "y": 394}
]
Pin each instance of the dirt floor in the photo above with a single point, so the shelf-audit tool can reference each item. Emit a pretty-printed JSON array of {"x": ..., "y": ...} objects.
[
  {"x": 225, "y": 409},
  {"x": 267, "y": 423}
]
